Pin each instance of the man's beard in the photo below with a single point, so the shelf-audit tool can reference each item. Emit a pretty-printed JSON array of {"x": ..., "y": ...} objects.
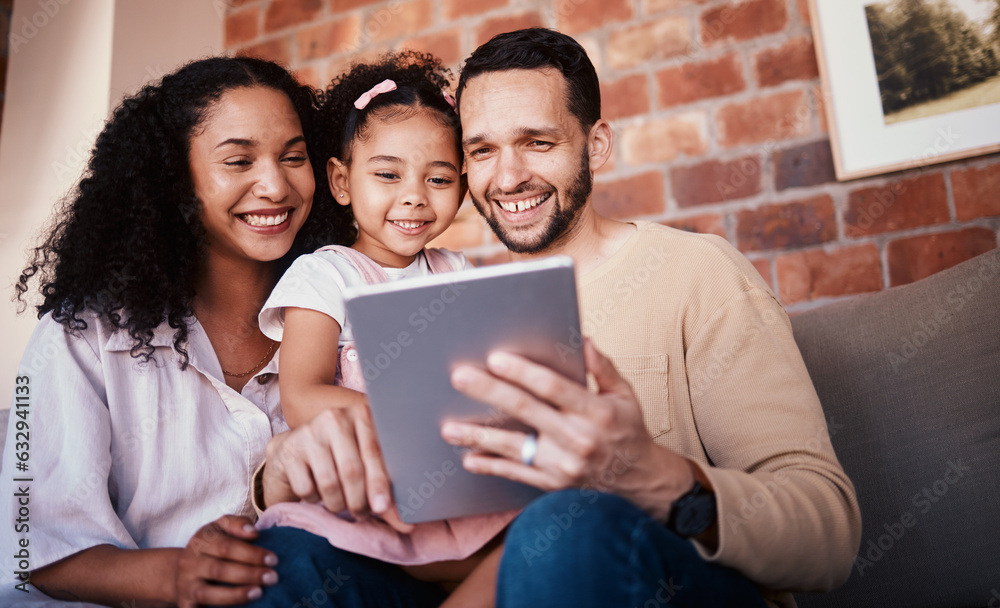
[{"x": 560, "y": 222}]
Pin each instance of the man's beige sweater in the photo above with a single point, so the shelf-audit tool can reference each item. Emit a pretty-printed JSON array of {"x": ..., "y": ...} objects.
[{"x": 709, "y": 351}]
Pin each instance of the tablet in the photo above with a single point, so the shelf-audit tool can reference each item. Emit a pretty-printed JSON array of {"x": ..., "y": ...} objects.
[{"x": 412, "y": 333}]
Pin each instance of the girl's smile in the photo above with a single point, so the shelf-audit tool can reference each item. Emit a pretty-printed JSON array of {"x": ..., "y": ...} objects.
[{"x": 410, "y": 227}]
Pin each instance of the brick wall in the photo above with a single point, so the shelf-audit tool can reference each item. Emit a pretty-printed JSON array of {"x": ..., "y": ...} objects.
[{"x": 717, "y": 112}]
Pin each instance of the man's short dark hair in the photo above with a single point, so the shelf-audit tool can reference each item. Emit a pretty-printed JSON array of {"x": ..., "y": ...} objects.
[{"x": 538, "y": 48}]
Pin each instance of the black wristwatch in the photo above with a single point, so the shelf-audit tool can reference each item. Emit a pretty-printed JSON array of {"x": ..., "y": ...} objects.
[{"x": 693, "y": 512}]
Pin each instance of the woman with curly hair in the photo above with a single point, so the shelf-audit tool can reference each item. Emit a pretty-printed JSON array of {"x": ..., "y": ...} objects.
[{"x": 153, "y": 390}]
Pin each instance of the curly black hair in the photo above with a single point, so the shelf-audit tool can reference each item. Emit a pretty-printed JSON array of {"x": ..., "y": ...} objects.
[
  {"x": 421, "y": 82},
  {"x": 127, "y": 242}
]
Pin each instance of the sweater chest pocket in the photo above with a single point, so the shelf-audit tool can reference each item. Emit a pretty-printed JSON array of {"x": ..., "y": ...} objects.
[{"x": 648, "y": 376}]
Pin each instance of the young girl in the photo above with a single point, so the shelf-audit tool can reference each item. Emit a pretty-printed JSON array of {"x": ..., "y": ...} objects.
[{"x": 389, "y": 142}]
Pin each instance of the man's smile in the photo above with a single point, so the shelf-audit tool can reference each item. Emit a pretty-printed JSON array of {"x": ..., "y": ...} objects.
[{"x": 524, "y": 204}]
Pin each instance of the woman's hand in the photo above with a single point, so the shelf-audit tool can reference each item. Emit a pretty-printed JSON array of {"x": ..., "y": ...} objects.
[
  {"x": 220, "y": 566},
  {"x": 334, "y": 459}
]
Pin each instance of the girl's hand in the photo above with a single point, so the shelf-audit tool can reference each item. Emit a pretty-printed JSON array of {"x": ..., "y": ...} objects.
[
  {"x": 219, "y": 565},
  {"x": 334, "y": 459},
  {"x": 331, "y": 455}
]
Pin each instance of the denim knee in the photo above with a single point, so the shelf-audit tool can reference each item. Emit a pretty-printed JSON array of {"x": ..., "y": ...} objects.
[
  {"x": 312, "y": 573},
  {"x": 563, "y": 523},
  {"x": 584, "y": 548}
]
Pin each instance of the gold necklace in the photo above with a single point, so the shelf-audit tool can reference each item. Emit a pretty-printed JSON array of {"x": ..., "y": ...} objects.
[{"x": 255, "y": 367}]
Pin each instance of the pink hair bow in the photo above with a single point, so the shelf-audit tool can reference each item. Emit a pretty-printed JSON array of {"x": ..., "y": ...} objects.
[{"x": 383, "y": 87}]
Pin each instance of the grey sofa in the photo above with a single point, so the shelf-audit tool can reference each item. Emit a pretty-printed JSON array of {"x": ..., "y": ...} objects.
[
  {"x": 909, "y": 380},
  {"x": 910, "y": 383}
]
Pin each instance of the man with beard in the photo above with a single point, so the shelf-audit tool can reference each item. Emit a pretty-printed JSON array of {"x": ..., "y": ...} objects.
[{"x": 697, "y": 469}]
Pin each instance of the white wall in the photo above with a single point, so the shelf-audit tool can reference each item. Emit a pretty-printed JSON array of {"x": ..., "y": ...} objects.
[
  {"x": 152, "y": 37},
  {"x": 70, "y": 62}
]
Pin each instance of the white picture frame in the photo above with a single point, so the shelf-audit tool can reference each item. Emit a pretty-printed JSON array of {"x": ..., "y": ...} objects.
[{"x": 863, "y": 144}]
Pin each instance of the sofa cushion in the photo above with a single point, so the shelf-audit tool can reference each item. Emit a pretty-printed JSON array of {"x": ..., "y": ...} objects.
[{"x": 909, "y": 379}]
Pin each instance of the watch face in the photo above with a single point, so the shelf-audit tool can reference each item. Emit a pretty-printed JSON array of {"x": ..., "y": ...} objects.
[
  {"x": 696, "y": 516},
  {"x": 693, "y": 513}
]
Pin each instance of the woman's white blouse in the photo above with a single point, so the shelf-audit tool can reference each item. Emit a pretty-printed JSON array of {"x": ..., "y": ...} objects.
[{"x": 124, "y": 453}]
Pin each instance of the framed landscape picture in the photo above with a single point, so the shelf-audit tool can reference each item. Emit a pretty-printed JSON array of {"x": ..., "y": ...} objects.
[{"x": 908, "y": 83}]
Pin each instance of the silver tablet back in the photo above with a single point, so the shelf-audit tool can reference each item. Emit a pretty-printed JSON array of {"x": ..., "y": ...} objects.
[{"x": 410, "y": 334}]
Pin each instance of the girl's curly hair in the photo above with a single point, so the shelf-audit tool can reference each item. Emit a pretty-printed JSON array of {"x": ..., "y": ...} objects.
[
  {"x": 421, "y": 82},
  {"x": 127, "y": 242}
]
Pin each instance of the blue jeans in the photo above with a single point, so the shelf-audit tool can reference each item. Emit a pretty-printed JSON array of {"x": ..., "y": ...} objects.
[
  {"x": 312, "y": 573},
  {"x": 569, "y": 548},
  {"x": 582, "y": 548}
]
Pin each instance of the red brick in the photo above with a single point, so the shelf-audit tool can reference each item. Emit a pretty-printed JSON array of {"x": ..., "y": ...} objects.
[
  {"x": 659, "y": 6},
  {"x": 508, "y": 23},
  {"x": 794, "y": 60},
  {"x": 774, "y": 117},
  {"x": 803, "y": 7},
  {"x": 743, "y": 21},
  {"x": 330, "y": 38},
  {"x": 803, "y": 166},
  {"x": 900, "y": 204},
  {"x": 340, "y": 6},
  {"x": 399, "y": 20},
  {"x": 241, "y": 27},
  {"x": 456, "y": 9},
  {"x": 819, "y": 105},
  {"x": 781, "y": 226},
  {"x": 696, "y": 81},
  {"x": 446, "y": 46},
  {"x": 465, "y": 232},
  {"x": 663, "y": 140},
  {"x": 286, "y": 13},
  {"x": 653, "y": 40},
  {"x": 593, "y": 48},
  {"x": 309, "y": 77},
  {"x": 624, "y": 97},
  {"x": 917, "y": 257},
  {"x": 276, "y": 49},
  {"x": 575, "y": 16},
  {"x": 807, "y": 275},
  {"x": 342, "y": 63},
  {"x": 708, "y": 223},
  {"x": 715, "y": 181},
  {"x": 763, "y": 267},
  {"x": 975, "y": 192},
  {"x": 630, "y": 197}
]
